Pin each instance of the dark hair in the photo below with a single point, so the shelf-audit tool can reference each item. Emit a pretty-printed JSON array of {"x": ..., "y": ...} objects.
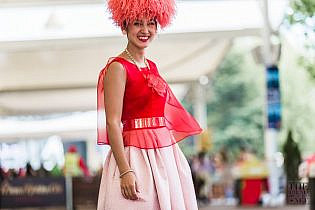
[{"x": 125, "y": 24}]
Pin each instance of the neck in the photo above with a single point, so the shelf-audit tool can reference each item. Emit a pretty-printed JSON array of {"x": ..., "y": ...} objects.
[{"x": 137, "y": 54}]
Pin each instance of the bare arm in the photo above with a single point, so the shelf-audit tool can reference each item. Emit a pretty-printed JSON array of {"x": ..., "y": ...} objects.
[{"x": 114, "y": 86}]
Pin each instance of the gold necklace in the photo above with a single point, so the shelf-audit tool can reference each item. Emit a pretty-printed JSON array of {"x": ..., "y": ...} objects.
[{"x": 134, "y": 61}]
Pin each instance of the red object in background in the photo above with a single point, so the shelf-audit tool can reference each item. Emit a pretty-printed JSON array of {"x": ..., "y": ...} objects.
[
  {"x": 81, "y": 163},
  {"x": 72, "y": 149},
  {"x": 83, "y": 167},
  {"x": 310, "y": 160},
  {"x": 251, "y": 190}
]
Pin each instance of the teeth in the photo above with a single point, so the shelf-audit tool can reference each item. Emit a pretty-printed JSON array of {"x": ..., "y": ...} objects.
[{"x": 143, "y": 37}]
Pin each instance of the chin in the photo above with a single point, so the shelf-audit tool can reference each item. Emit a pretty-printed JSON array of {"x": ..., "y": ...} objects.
[{"x": 143, "y": 46}]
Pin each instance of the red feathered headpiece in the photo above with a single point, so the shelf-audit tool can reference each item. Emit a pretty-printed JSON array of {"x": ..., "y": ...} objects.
[{"x": 130, "y": 10}]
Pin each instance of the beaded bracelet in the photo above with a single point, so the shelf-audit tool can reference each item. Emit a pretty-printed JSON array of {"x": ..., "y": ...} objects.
[{"x": 130, "y": 170}]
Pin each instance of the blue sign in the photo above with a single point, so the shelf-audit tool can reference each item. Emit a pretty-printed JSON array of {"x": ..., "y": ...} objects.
[{"x": 273, "y": 97}]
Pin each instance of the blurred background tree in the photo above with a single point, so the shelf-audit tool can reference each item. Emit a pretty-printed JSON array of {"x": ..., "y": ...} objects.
[
  {"x": 236, "y": 103},
  {"x": 297, "y": 75},
  {"x": 292, "y": 158},
  {"x": 302, "y": 15}
]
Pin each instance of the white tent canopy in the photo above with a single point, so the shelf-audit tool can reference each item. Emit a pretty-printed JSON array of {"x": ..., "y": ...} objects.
[{"x": 50, "y": 55}]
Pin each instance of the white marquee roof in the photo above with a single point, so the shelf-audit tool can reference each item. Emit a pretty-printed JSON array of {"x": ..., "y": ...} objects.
[
  {"x": 92, "y": 20},
  {"x": 50, "y": 55}
]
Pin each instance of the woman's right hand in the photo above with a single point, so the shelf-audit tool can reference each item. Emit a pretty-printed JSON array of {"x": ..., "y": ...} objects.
[{"x": 129, "y": 187}]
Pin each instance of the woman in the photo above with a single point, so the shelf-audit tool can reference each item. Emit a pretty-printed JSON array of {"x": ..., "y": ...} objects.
[{"x": 145, "y": 168}]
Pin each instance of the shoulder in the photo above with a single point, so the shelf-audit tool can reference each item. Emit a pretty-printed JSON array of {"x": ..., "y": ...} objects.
[
  {"x": 114, "y": 64},
  {"x": 114, "y": 68}
]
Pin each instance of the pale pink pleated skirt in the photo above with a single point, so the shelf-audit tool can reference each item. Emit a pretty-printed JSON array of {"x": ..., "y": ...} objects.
[{"x": 163, "y": 177}]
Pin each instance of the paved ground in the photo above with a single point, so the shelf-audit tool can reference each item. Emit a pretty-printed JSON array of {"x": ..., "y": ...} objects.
[{"x": 306, "y": 207}]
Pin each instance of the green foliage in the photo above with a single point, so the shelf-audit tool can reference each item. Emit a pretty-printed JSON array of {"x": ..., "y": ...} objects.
[
  {"x": 235, "y": 108},
  {"x": 307, "y": 64},
  {"x": 187, "y": 147},
  {"x": 302, "y": 14},
  {"x": 302, "y": 10},
  {"x": 297, "y": 98},
  {"x": 298, "y": 74}
]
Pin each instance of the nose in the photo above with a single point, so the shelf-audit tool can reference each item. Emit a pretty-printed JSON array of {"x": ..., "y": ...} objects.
[{"x": 144, "y": 28}]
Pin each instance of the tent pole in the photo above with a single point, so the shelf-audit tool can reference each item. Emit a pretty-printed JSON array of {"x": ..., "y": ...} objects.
[{"x": 200, "y": 107}]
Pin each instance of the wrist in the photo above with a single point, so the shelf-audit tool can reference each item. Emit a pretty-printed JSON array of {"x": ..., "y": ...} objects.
[{"x": 126, "y": 172}]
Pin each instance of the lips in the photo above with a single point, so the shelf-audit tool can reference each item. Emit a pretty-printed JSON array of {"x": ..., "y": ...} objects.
[{"x": 143, "y": 38}]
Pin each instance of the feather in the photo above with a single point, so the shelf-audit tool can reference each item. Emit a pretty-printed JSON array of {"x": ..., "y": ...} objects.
[{"x": 130, "y": 10}]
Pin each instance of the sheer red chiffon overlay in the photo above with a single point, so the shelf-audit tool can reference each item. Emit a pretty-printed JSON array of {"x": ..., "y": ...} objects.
[{"x": 152, "y": 117}]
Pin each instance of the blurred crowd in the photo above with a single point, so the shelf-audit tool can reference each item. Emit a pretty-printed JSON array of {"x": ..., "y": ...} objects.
[
  {"x": 212, "y": 177},
  {"x": 74, "y": 166},
  {"x": 219, "y": 180}
]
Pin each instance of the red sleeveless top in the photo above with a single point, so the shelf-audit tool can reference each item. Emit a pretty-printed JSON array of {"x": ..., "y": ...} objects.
[{"x": 152, "y": 117}]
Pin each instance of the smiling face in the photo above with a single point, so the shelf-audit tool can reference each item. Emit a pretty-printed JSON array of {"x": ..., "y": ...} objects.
[{"x": 141, "y": 32}]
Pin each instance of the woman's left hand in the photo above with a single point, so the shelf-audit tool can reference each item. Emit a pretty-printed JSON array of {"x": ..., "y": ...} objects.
[{"x": 129, "y": 187}]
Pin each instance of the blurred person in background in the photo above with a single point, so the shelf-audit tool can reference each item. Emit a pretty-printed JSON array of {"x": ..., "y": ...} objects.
[
  {"x": 42, "y": 171},
  {"x": 194, "y": 165},
  {"x": 30, "y": 172},
  {"x": 226, "y": 178},
  {"x": 145, "y": 168},
  {"x": 74, "y": 163},
  {"x": 203, "y": 168}
]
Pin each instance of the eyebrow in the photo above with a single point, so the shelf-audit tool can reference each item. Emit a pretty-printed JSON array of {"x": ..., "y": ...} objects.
[{"x": 141, "y": 20}]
